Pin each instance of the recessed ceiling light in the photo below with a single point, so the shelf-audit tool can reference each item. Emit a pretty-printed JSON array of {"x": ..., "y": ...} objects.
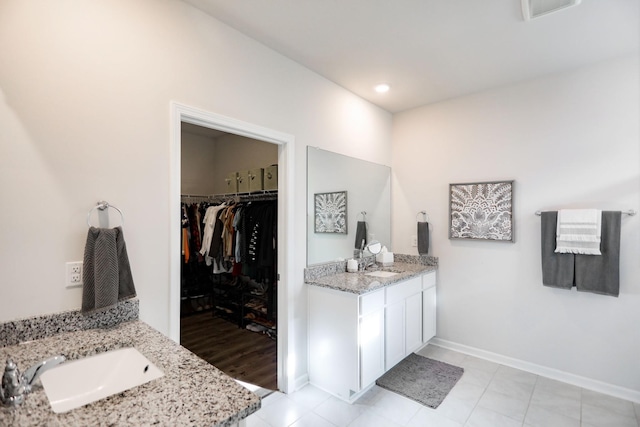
[
  {"x": 382, "y": 88},
  {"x": 535, "y": 8}
]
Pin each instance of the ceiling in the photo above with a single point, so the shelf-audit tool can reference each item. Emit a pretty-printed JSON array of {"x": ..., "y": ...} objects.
[{"x": 432, "y": 50}]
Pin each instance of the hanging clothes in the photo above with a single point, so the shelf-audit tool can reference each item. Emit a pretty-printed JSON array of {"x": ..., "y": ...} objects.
[
  {"x": 209, "y": 223},
  {"x": 193, "y": 214},
  {"x": 185, "y": 236},
  {"x": 258, "y": 231},
  {"x": 227, "y": 233},
  {"x": 230, "y": 251}
]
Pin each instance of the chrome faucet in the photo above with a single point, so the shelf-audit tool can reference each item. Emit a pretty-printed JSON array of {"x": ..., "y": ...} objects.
[
  {"x": 13, "y": 389},
  {"x": 373, "y": 248},
  {"x": 15, "y": 385},
  {"x": 367, "y": 263}
]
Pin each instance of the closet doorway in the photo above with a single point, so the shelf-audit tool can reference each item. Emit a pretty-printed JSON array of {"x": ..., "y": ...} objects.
[
  {"x": 286, "y": 350},
  {"x": 228, "y": 286}
]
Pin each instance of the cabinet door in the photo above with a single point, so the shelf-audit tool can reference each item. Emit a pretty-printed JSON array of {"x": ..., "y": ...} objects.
[
  {"x": 371, "y": 347},
  {"x": 413, "y": 322},
  {"x": 428, "y": 314},
  {"x": 333, "y": 341},
  {"x": 394, "y": 334}
]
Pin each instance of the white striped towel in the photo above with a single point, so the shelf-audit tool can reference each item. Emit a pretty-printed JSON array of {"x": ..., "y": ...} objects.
[{"x": 578, "y": 231}]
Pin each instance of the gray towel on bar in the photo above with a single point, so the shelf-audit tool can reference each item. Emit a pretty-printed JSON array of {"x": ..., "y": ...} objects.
[
  {"x": 361, "y": 234},
  {"x": 423, "y": 237},
  {"x": 557, "y": 269},
  {"x": 106, "y": 274},
  {"x": 601, "y": 273}
]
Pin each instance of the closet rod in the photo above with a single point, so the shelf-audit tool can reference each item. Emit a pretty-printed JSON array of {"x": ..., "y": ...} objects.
[
  {"x": 256, "y": 195},
  {"x": 630, "y": 212}
]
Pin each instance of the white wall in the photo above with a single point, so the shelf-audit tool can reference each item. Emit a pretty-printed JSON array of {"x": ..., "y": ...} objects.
[
  {"x": 85, "y": 92},
  {"x": 198, "y": 164},
  {"x": 238, "y": 153},
  {"x": 207, "y": 161},
  {"x": 569, "y": 140}
]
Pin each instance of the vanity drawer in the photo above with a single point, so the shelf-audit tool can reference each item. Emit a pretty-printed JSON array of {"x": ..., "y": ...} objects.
[
  {"x": 371, "y": 302},
  {"x": 403, "y": 290},
  {"x": 429, "y": 280}
]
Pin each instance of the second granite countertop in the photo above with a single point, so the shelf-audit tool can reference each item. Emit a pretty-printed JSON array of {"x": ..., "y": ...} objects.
[
  {"x": 360, "y": 283},
  {"x": 191, "y": 392}
]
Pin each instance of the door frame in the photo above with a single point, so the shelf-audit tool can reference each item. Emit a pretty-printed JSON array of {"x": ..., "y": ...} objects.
[{"x": 183, "y": 113}]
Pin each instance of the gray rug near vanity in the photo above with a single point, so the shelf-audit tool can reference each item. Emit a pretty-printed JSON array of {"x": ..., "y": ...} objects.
[{"x": 419, "y": 378}]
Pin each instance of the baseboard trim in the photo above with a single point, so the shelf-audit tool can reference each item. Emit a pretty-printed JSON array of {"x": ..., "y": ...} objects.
[
  {"x": 555, "y": 374},
  {"x": 300, "y": 382}
]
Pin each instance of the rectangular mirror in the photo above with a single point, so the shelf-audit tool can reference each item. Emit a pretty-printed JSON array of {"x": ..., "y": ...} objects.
[{"x": 339, "y": 189}]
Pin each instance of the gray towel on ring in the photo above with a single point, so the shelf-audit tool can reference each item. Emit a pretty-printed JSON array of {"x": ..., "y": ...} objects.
[
  {"x": 423, "y": 237},
  {"x": 106, "y": 271},
  {"x": 361, "y": 234}
]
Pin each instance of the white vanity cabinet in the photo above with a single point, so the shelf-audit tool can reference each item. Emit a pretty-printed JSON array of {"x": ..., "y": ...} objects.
[
  {"x": 354, "y": 339},
  {"x": 371, "y": 338},
  {"x": 428, "y": 306},
  {"x": 346, "y": 340},
  {"x": 403, "y": 320},
  {"x": 413, "y": 323}
]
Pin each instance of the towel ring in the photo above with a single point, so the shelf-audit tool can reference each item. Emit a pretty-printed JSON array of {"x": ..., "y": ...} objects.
[
  {"x": 364, "y": 215},
  {"x": 102, "y": 206},
  {"x": 424, "y": 213}
]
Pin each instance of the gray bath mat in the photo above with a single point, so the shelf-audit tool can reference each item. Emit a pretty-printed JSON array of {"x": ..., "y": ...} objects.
[{"x": 421, "y": 379}]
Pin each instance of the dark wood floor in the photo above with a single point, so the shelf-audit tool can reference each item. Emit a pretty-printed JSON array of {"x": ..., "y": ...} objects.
[{"x": 241, "y": 354}]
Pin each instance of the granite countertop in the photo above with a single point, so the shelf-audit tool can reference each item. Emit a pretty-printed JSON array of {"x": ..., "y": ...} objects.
[
  {"x": 360, "y": 283},
  {"x": 191, "y": 392}
]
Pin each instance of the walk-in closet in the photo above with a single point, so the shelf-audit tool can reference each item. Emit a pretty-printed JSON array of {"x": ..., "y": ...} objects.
[{"x": 228, "y": 297}]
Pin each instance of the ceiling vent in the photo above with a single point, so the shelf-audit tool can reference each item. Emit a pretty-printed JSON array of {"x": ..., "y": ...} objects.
[{"x": 536, "y": 8}]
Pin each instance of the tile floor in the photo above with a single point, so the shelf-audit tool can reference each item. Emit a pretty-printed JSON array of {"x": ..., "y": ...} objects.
[{"x": 487, "y": 395}]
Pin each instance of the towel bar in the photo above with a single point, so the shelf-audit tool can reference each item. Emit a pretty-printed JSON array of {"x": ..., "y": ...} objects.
[
  {"x": 630, "y": 212},
  {"x": 102, "y": 206}
]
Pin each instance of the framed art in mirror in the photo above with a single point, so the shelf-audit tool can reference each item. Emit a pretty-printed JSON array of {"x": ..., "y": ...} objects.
[
  {"x": 481, "y": 211},
  {"x": 330, "y": 212}
]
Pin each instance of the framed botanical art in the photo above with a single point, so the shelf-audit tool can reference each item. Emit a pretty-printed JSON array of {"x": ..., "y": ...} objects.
[
  {"x": 481, "y": 211},
  {"x": 330, "y": 212}
]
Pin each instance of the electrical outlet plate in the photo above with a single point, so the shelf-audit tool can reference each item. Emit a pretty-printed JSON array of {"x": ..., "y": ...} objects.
[
  {"x": 73, "y": 274},
  {"x": 414, "y": 241}
]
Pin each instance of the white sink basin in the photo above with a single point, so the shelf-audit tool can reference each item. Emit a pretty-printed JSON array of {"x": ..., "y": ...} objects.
[
  {"x": 381, "y": 273},
  {"x": 80, "y": 382}
]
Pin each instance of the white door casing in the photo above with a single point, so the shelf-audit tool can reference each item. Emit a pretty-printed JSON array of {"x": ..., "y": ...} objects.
[{"x": 183, "y": 113}]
